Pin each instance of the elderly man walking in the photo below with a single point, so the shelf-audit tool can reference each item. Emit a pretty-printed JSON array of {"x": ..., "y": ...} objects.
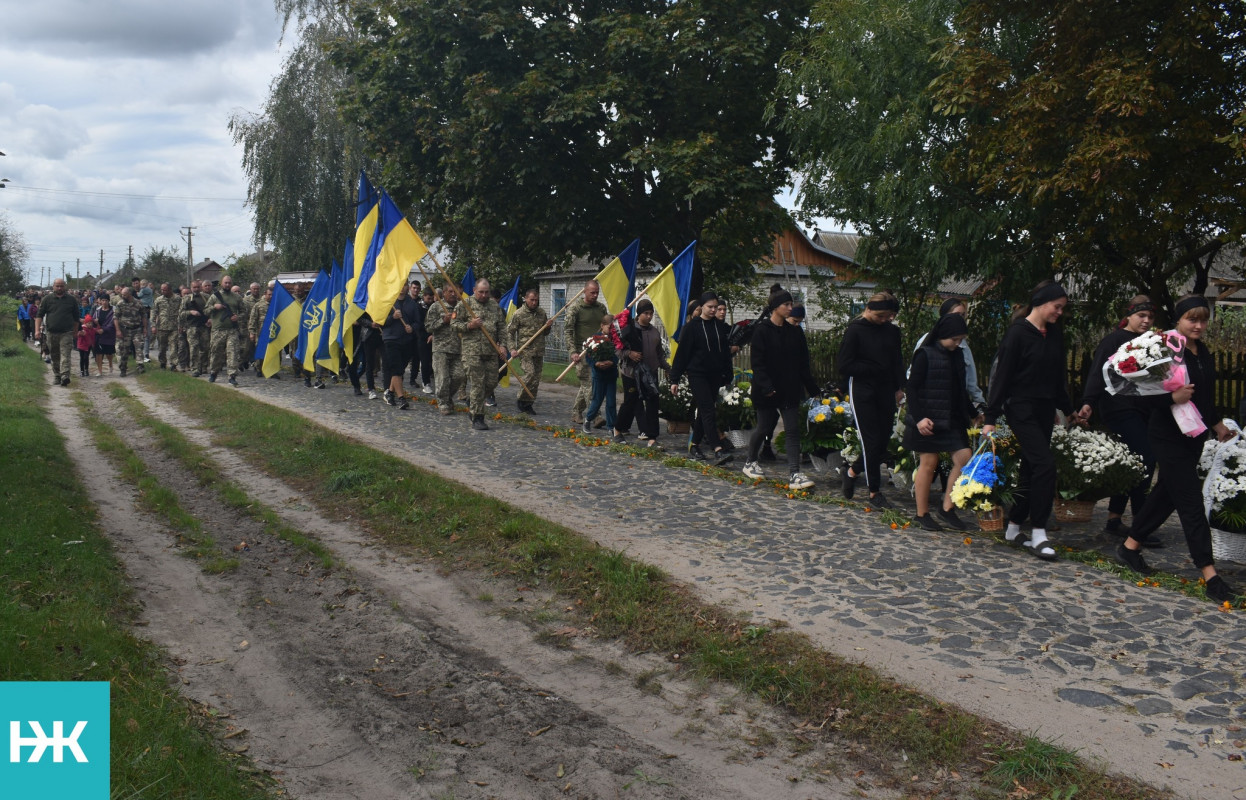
[{"x": 57, "y": 323}]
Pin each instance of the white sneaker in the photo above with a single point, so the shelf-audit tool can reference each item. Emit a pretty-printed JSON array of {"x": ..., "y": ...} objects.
[
  {"x": 753, "y": 470},
  {"x": 799, "y": 481},
  {"x": 428, "y": 389},
  {"x": 371, "y": 395}
]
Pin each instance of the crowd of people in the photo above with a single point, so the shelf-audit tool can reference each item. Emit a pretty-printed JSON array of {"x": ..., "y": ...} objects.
[{"x": 455, "y": 345}]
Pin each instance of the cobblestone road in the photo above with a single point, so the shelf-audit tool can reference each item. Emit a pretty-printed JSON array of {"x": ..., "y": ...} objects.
[{"x": 1147, "y": 680}]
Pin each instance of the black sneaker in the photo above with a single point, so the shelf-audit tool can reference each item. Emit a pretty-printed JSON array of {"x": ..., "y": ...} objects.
[
  {"x": 307, "y": 382},
  {"x": 195, "y": 374},
  {"x": 319, "y": 384},
  {"x": 65, "y": 381},
  {"x": 927, "y": 523},
  {"x": 1133, "y": 559},
  {"x": 949, "y": 519},
  {"x": 721, "y": 457},
  {"x": 390, "y": 399},
  {"x": 478, "y": 423},
  {"x": 587, "y": 427},
  {"x": 879, "y": 501},
  {"x": 848, "y": 483},
  {"x": 233, "y": 381},
  {"x": 491, "y": 401},
  {"x": 211, "y": 378},
  {"x": 1114, "y": 527},
  {"x": 123, "y": 373},
  {"x": 695, "y": 453},
  {"x": 1220, "y": 591},
  {"x": 358, "y": 392},
  {"x": 405, "y": 404}
]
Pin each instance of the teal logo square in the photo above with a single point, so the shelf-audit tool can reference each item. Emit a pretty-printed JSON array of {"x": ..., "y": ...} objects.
[{"x": 57, "y": 737}]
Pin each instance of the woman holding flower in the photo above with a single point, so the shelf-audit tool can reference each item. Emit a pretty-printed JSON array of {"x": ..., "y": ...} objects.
[
  {"x": 782, "y": 378},
  {"x": 1030, "y": 385},
  {"x": 870, "y": 360},
  {"x": 1126, "y": 416},
  {"x": 1177, "y": 455},
  {"x": 938, "y": 416}
]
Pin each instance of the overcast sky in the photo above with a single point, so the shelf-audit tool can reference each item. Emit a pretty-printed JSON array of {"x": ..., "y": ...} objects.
[{"x": 112, "y": 113}]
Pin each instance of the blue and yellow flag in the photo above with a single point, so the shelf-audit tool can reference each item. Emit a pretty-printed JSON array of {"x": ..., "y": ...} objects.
[
  {"x": 510, "y": 301},
  {"x": 345, "y": 335},
  {"x": 281, "y": 326},
  {"x": 312, "y": 321},
  {"x": 618, "y": 279},
  {"x": 469, "y": 281},
  {"x": 329, "y": 348},
  {"x": 670, "y": 292},
  {"x": 398, "y": 247},
  {"x": 362, "y": 261}
]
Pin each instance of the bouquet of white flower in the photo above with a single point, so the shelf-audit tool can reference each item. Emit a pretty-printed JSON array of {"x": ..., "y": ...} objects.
[
  {"x": 1091, "y": 465},
  {"x": 1153, "y": 363},
  {"x": 1223, "y": 470},
  {"x": 735, "y": 407}
]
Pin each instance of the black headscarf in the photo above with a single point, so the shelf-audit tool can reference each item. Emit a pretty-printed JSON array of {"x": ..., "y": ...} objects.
[{"x": 948, "y": 326}]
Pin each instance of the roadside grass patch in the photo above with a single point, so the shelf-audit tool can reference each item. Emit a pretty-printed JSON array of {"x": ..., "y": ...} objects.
[
  {"x": 65, "y": 609},
  {"x": 616, "y": 596}
]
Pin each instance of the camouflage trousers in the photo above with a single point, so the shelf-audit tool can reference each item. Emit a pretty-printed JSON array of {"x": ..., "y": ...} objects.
[
  {"x": 583, "y": 371},
  {"x": 482, "y": 378},
  {"x": 247, "y": 352},
  {"x": 224, "y": 351},
  {"x": 449, "y": 376},
  {"x": 61, "y": 347},
  {"x": 130, "y": 343},
  {"x": 183, "y": 349},
  {"x": 532, "y": 364},
  {"x": 166, "y": 341},
  {"x": 197, "y": 344}
]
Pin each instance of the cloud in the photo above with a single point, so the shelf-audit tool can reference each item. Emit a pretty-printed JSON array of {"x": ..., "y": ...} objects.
[{"x": 46, "y": 132}]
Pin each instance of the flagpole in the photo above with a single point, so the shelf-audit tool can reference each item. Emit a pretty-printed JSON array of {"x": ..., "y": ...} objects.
[
  {"x": 482, "y": 329},
  {"x": 635, "y": 300},
  {"x": 548, "y": 323}
]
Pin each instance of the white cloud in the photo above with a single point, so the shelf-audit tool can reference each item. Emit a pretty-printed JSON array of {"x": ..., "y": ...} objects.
[{"x": 47, "y": 132}]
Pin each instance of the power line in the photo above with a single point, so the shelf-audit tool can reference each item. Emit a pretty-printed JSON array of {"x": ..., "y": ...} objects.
[{"x": 121, "y": 194}]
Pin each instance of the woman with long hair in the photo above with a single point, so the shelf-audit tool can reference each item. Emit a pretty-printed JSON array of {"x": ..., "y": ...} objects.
[
  {"x": 1177, "y": 455},
  {"x": 704, "y": 356},
  {"x": 870, "y": 360},
  {"x": 1029, "y": 385},
  {"x": 1127, "y": 417}
]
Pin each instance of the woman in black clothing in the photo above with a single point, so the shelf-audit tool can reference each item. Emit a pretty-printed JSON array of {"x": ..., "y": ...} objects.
[
  {"x": 641, "y": 358},
  {"x": 1030, "y": 385},
  {"x": 870, "y": 360},
  {"x": 938, "y": 416},
  {"x": 704, "y": 355},
  {"x": 1177, "y": 455},
  {"x": 781, "y": 380},
  {"x": 1127, "y": 417}
]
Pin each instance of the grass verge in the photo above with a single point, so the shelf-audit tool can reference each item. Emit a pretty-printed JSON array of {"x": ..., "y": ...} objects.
[
  {"x": 197, "y": 461},
  {"x": 618, "y": 597},
  {"x": 65, "y": 608}
]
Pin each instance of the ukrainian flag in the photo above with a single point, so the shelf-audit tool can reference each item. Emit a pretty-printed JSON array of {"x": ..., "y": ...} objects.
[
  {"x": 510, "y": 301},
  {"x": 313, "y": 319},
  {"x": 398, "y": 247},
  {"x": 362, "y": 262},
  {"x": 281, "y": 326},
  {"x": 345, "y": 334},
  {"x": 618, "y": 279},
  {"x": 329, "y": 348},
  {"x": 469, "y": 282},
  {"x": 670, "y": 292}
]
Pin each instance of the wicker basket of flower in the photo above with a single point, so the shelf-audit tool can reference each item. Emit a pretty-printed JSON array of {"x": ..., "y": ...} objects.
[
  {"x": 1090, "y": 465},
  {"x": 1223, "y": 469}
]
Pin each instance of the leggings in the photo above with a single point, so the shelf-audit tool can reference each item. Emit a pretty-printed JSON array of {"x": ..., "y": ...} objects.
[
  {"x": 766, "y": 420},
  {"x": 705, "y": 399},
  {"x": 1032, "y": 421},
  {"x": 84, "y": 361},
  {"x": 875, "y": 415},
  {"x": 1131, "y": 426},
  {"x": 1178, "y": 489}
]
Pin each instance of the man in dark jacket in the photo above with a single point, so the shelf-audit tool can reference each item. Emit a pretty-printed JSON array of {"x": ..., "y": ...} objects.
[{"x": 704, "y": 355}]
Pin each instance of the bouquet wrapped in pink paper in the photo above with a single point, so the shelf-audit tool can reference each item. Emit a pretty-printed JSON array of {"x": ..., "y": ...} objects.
[{"x": 1154, "y": 363}]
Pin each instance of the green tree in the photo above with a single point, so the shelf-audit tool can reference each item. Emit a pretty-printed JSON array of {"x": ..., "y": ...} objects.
[
  {"x": 162, "y": 265},
  {"x": 1117, "y": 120},
  {"x": 13, "y": 254},
  {"x": 870, "y": 149},
  {"x": 301, "y": 158},
  {"x": 533, "y": 132}
]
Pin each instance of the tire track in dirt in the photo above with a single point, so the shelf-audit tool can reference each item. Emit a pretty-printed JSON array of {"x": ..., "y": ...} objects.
[{"x": 387, "y": 679}]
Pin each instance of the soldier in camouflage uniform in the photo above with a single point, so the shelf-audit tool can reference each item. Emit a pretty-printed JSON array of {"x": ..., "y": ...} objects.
[
  {"x": 164, "y": 314},
  {"x": 478, "y": 319},
  {"x": 583, "y": 319},
  {"x": 259, "y": 310},
  {"x": 129, "y": 317},
  {"x": 226, "y": 311},
  {"x": 249, "y": 300},
  {"x": 529, "y": 320},
  {"x": 447, "y": 348},
  {"x": 194, "y": 319},
  {"x": 182, "y": 346}
]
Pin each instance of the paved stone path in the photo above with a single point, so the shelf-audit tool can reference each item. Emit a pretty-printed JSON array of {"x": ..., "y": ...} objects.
[{"x": 1147, "y": 680}]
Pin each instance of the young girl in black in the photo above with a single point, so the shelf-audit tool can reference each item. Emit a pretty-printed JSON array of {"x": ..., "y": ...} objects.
[
  {"x": 870, "y": 360},
  {"x": 1030, "y": 383}
]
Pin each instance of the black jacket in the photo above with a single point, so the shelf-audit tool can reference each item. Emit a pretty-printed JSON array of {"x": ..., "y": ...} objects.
[
  {"x": 780, "y": 360},
  {"x": 1202, "y": 373},
  {"x": 393, "y": 330},
  {"x": 870, "y": 353},
  {"x": 1030, "y": 365},
  {"x": 936, "y": 388},
  {"x": 703, "y": 351},
  {"x": 1096, "y": 394}
]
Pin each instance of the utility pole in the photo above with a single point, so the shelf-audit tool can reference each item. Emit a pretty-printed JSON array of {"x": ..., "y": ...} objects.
[
  {"x": 190, "y": 254},
  {"x": 78, "y": 276},
  {"x": 63, "y": 273}
]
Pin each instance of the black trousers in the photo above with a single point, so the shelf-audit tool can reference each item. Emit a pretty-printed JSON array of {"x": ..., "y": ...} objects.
[
  {"x": 875, "y": 415},
  {"x": 1032, "y": 421},
  {"x": 421, "y": 360},
  {"x": 637, "y": 408},
  {"x": 365, "y": 362},
  {"x": 1178, "y": 489},
  {"x": 1131, "y": 426},
  {"x": 767, "y": 418},
  {"x": 705, "y": 399}
]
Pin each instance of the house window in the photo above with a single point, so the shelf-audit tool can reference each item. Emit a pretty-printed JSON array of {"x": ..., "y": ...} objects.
[{"x": 560, "y": 299}]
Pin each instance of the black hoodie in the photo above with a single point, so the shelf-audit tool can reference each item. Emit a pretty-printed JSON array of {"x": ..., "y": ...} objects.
[
  {"x": 703, "y": 351},
  {"x": 870, "y": 353},
  {"x": 1030, "y": 365}
]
